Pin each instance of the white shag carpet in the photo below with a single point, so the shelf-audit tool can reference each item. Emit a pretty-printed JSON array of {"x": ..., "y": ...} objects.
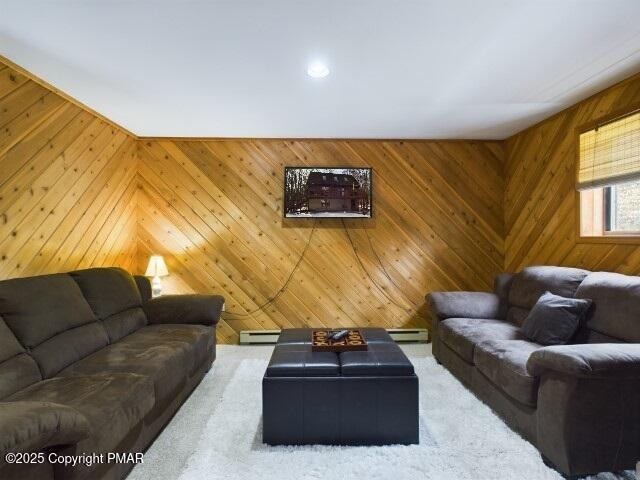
[{"x": 217, "y": 434}]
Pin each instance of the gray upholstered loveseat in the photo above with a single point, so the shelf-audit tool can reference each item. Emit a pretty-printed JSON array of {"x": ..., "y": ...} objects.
[
  {"x": 90, "y": 364},
  {"x": 578, "y": 403}
]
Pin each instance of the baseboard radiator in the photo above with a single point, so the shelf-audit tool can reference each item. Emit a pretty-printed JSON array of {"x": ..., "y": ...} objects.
[{"x": 257, "y": 337}]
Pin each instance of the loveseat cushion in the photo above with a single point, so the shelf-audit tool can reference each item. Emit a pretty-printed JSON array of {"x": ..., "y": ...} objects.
[
  {"x": 462, "y": 334},
  {"x": 112, "y": 404},
  {"x": 504, "y": 363},
  {"x": 616, "y": 300},
  {"x": 114, "y": 298},
  {"x": 529, "y": 285},
  {"x": 17, "y": 369},
  {"x": 51, "y": 319},
  {"x": 167, "y": 354}
]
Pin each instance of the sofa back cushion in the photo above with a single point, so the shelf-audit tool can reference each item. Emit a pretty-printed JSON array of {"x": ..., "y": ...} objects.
[
  {"x": 51, "y": 320},
  {"x": 115, "y": 299},
  {"x": 17, "y": 369},
  {"x": 616, "y": 307},
  {"x": 529, "y": 285}
]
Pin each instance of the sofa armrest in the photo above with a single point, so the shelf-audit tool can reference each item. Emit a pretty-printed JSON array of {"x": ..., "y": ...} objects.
[
  {"x": 188, "y": 309},
  {"x": 594, "y": 360},
  {"x": 27, "y": 426},
  {"x": 464, "y": 305}
]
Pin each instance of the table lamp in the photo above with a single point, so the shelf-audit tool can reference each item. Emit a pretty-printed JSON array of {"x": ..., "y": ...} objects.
[{"x": 156, "y": 269}]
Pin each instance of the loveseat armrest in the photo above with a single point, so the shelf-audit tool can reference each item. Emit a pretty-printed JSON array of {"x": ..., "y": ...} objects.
[
  {"x": 186, "y": 309},
  {"x": 587, "y": 408},
  {"x": 464, "y": 305},
  {"x": 27, "y": 426},
  {"x": 593, "y": 360}
]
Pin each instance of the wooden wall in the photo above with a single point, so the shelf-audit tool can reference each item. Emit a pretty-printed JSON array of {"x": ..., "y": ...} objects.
[
  {"x": 540, "y": 199},
  {"x": 76, "y": 191},
  {"x": 213, "y": 208},
  {"x": 67, "y": 184}
]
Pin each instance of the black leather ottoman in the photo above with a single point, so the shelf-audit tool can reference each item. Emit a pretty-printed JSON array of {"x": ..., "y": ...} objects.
[{"x": 348, "y": 398}]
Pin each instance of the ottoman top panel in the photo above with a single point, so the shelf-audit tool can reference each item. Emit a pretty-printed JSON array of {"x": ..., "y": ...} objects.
[
  {"x": 381, "y": 359},
  {"x": 299, "y": 361},
  {"x": 302, "y": 336},
  {"x": 293, "y": 357}
]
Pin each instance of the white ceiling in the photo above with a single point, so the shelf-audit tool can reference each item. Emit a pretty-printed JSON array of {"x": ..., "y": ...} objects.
[{"x": 399, "y": 69}]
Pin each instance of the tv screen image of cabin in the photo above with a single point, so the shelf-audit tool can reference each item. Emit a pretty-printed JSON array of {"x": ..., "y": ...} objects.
[{"x": 327, "y": 192}]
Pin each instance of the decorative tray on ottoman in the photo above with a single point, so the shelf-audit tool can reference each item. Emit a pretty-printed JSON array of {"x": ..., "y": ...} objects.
[{"x": 352, "y": 342}]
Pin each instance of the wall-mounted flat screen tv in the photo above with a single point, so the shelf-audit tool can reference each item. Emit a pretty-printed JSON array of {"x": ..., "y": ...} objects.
[{"x": 327, "y": 192}]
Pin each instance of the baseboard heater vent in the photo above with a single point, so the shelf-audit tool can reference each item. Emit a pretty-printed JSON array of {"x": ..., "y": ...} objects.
[
  {"x": 256, "y": 337},
  {"x": 409, "y": 334},
  {"x": 251, "y": 337}
]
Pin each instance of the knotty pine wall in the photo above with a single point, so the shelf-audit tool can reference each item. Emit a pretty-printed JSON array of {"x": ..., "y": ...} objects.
[
  {"x": 76, "y": 191},
  {"x": 67, "y": 184},
  {"x": 540, "y": 199},
  {"x": 214, "y": 209}
]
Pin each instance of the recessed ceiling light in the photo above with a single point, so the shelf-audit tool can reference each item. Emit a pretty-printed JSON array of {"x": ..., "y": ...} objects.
[{"x": 318, "y": 70}]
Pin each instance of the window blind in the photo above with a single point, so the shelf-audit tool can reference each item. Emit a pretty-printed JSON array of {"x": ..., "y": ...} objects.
[{"x": 610, "y": 153}]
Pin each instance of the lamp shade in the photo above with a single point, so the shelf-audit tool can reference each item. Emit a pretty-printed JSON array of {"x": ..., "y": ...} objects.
[{"x": 156, "y": 267}]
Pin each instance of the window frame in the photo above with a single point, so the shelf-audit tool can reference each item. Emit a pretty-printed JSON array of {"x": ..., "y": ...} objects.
[{"x": 611, "y": 237}]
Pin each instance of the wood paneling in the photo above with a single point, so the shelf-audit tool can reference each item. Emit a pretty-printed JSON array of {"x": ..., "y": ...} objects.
[
  {"x": 77, "y": 191},
  {"x": 213, "y": 209},
  {"x": 540, "y": 199},
  {"x": 67, "y": 184}
]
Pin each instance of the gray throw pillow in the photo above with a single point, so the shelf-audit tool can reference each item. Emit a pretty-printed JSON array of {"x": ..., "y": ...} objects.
[{"x": 554, "y": 320}]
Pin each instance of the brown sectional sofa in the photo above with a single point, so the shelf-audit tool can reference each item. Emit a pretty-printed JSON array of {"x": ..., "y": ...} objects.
[
  {"x": 578, "y": 403},
  {"x": 89, "y": 363}
]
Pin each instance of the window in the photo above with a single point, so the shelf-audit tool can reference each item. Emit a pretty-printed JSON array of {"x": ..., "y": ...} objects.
[
  {"x": 622, "y": 208},
  {"x": 608, "y": 178}
]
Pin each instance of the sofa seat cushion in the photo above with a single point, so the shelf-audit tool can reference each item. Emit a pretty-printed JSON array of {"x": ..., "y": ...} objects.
[
  {"x": 504, "y": 363},
  {"x": 462, "y": 334},
  {"x": 168, "y": 354},
  {"x": 198, "y": 338},
  {"x": 112, "y": 404}
]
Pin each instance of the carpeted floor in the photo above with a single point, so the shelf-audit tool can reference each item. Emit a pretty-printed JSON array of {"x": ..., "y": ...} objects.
[{"x": 217, "y": 435}]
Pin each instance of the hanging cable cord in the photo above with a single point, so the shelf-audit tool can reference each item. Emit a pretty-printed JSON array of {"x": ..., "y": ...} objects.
[
  {"x": 384, "y": 270},
  {"x": 380, "y": 289},
  {"x": 284, "y": 285}
]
